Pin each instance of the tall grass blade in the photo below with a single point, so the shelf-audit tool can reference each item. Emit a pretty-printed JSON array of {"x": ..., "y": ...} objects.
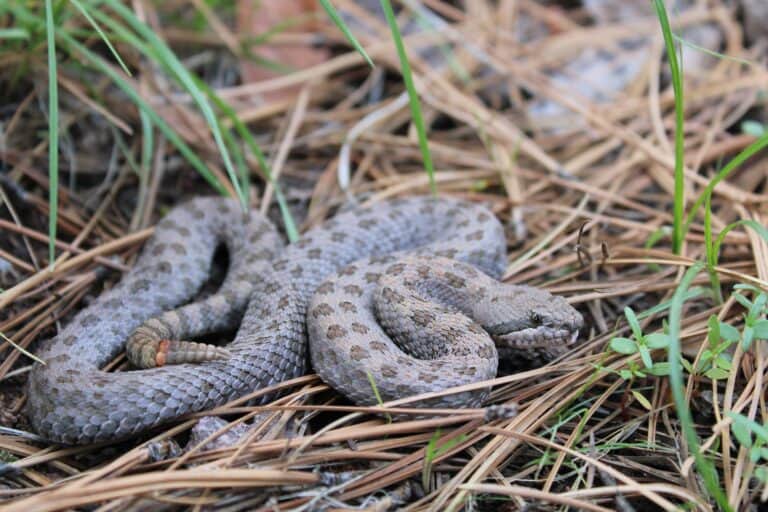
[
  {"x": 677, "y": 85},
  {"x": 703, "y": 465},
  {"x": 413, "y": 96},
  {"x": 336, "y": 18},
  {"x": 53, "y": 134},
  {"x": 102, "y": 35}
]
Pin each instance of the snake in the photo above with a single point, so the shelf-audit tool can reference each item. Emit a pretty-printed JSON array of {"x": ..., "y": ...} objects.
[{"x": 402, "y": 293}]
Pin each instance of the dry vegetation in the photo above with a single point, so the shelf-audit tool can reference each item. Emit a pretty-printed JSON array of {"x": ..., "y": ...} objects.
[{"x": 559, "y": 116}]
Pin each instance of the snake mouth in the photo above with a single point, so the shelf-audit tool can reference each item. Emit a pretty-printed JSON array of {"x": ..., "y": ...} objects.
[{"x": 536, "y": 337}]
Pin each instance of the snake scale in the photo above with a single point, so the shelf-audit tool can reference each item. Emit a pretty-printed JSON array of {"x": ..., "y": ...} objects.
[{"x": 411, "y": 266}]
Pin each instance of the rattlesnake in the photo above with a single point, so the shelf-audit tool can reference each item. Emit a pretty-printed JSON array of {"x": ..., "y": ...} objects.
[{"x": 267, "y": 290}]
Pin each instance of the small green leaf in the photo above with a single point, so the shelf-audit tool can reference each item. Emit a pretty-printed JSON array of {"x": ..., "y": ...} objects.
[
  {"x": 743, "y": 301},
  {"x": 758, "y": 306},
  {"x": 657, "y": 340},
  {"x": 754, "y": 128},
  {"x": 643, "y": 401},
  {"x": 747, "y": 287},
  {"x": 659, "y": 369},
  {"x": 761, "y": 473},
  {"x": 704, "y": 360},
  {"x": 714, "y": 330},
  {"x": 764, "y": 453},
  {"x": 625, "y": 374},
  {"x": 761, "y": 329},
  {"x": 634, "y": 324},
  {"x": 623, "y": 346},
  {"x": 101, "y": 33},
  {"x": 716, "y": 374},
  {"x": 645, "y": 355},
  {"x": 754, "y": 454},
  {"x": 723, "y": 361},
  {"x": 729, "y": 332},
  {"x": 750, "y": 425},
  {"x": 742, "y": 434},
  {"x": 14, "y": 33},
  {"x": 746, "y": 337}
]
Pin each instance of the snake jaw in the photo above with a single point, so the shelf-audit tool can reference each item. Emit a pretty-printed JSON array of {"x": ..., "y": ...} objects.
[{"x": 537, "y": 337}]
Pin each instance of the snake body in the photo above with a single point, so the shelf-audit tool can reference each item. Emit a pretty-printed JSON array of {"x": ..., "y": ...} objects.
[{"x": 267, "y": 292}]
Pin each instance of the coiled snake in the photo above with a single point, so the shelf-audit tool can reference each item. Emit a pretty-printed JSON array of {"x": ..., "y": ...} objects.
[{"x": 393, "y": 259}]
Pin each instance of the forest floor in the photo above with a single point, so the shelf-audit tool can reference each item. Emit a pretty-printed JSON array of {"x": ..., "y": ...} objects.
[{"x": 560, "y": 116}]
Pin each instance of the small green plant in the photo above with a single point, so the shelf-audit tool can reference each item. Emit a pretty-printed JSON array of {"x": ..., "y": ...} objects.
[
  {"x": 743, "y": 428},
  {"x": 641, "y": 344},
  {"x": 53, "y": 131},
  {"x": 432, "y": 451},
  {"x": 715, "y": 361},
  {"x": 755, "y": 323},
  {"x": 680, "y": 226}
]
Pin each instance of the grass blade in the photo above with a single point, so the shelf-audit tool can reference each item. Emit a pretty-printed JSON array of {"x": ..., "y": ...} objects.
[
  {"x": 53, "y": 134},
  {"x": 290, "y": 226},
  {"x": 13, "y": 33},
  {"x": 735, "y": 162},
  {"x": 336, "y": 18},
  {"x": 136, "y": 98},
  {"x": 103, "y": 36},
  {"x": 677, "y": 85},
  {"x": 413, "y": 96},
  {"x": 703, "y": 465}
]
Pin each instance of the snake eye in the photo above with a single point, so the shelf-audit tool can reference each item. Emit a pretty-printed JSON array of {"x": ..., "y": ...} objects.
[{"x": 535, "y": 318}]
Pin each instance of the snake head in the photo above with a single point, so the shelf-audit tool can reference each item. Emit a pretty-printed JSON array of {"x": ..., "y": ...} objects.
[{"x": 526, "y": 317}]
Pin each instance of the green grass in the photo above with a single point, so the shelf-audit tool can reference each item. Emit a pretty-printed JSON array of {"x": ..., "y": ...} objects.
[
  {"x": 377, "y": 394},
  {"x": 53, "y": 133},
  {"x": 723, "y": 173},
  {"x": 433, "y": 451},
  {"x": 704, "y": 466},
  {"x": 336, "y": 18},
  {"x": 405, "y": 70},
  {"x": 680, "y": 227},
  {"x": 716, "y": 364},
  {"x": 413, "y": 95},
  {"x": 678, "y": 233},
  {"x": 102, "y": 35},
  {"x": 112, "y": 22}
]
